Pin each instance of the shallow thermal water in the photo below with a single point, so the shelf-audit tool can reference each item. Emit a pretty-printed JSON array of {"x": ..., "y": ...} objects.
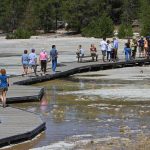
[{"x": 78, "y": 112}]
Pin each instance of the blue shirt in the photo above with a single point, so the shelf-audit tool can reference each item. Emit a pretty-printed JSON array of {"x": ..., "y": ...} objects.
[
  {"x": 141, "y": 43},
  {"x": 3, "y": 81},
  {"x": 116, "y": 44},
  {"x": 32, "y": 58},
  {"x": 25, "y": 59},
  {"x": 53, "y": 54},
  {"x": 127, "y": 49}
]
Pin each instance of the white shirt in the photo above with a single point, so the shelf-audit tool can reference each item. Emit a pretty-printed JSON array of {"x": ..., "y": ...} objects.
[
  {"x": 32, "y": 58},
  {"x": 109, "y": 47},
  {"x": 81, "y": 51},
  {"x": 103, "y": 45}
]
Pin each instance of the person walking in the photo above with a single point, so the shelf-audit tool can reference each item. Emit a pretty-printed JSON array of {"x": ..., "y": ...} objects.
[
  {"x": 33, "y": 61},
  {"x": 53, "y": 57},
  {"x": 25, "y": 62},
  {"x": 4, "y": 83},
  {"x": 43, "y": 57},
  {"x": 103, "y": 47}
]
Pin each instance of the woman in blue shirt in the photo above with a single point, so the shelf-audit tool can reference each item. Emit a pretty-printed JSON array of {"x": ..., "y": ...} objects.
[
  {"x": 4, "y": 83},
  {"x": 25, "y": 62}
]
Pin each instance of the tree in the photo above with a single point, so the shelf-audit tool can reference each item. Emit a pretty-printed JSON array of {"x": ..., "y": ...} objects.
[
  {"x": 144, "y": 17},
  {"x": 125, "y": 31},
  {"x": 101, "y": 27},
  {"x": 11, "y": 14}
]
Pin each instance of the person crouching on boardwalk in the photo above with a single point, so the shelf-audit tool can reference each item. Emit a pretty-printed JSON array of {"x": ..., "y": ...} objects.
[
  {"x": 25, "y": 62},
  {"x": 127, "y": 51},
  {"x": 93, "y": 52},
  {"x": 33, "y": 61},
  {"x": 43, "y": 58},
  {"x": 4, "y": 86},
  {"x": 80, "y": 53},
  {"x": 53, "y": 57},
  {"x": 103, "y": 47}
]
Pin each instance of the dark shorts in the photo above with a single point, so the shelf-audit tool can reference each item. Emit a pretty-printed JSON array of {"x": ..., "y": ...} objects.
[
  {"x": 141, "y": 49},
  {"x": 104, "y": 53},
  {"x": 93, "y": 54},
  {"x": 25, "y": 65},
  {"x": 3, "y": 89}
]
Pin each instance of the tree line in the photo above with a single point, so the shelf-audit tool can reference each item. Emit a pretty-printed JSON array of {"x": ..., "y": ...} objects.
[{"x": 95, "y": 18}]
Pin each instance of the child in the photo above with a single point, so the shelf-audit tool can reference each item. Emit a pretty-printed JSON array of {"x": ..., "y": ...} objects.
[
  {"x": 109, "y": 50},
  {"x": 4, "y": 83}
]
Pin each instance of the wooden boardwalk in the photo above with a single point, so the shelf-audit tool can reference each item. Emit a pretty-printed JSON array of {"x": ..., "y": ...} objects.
[
  {"x": 70, "y": 68},
  {"x": 18, "y": 125}
]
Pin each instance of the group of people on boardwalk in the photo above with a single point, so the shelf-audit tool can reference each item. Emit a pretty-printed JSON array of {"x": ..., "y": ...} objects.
[
  {"x": 109, "y": 49},
  {"x": 131, "y": 46},
  {"x": 30, "y": 61}
]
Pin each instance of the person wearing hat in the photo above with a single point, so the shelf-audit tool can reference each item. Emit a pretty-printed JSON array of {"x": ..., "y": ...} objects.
[
  {"x": 33, "y": 61},
  {"x": 43, "y": 57},
  {"x": 133, "y": 46}
]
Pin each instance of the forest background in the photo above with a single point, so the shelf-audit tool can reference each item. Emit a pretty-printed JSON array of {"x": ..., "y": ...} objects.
[{"x": 91, "y": 18}]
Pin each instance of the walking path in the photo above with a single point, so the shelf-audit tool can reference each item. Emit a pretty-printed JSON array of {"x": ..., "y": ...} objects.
[{"x": 18, "y": 125}]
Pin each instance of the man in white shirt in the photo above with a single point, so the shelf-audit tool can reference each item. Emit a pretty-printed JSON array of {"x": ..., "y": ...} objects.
[
  {"x": 103, "y": 47},
  {"x": 33, "y": 60}
]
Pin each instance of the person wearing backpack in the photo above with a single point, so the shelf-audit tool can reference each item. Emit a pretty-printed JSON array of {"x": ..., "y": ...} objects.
[{"x": 141, "y": 47}]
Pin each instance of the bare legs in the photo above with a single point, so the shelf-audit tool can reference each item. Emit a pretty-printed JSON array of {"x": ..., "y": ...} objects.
[
  {"x": 25, "y": 70},
  {"x": 3, "y": 98}
]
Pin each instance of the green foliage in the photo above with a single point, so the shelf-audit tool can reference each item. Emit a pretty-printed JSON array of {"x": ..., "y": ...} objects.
[
  {"x": 78, "y": 14},
  {"x": 125, "y": 31},
  {"x": 122, "y": 31},
  {"x": 20, "y": 34},
  {"x": 144, "y": 17},
  {"x": 130, "y": 10},
  {"x": 101, "y": 27}
]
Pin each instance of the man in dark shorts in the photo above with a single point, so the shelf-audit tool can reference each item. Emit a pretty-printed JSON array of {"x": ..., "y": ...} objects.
[{"x": 141, "y": 47}]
